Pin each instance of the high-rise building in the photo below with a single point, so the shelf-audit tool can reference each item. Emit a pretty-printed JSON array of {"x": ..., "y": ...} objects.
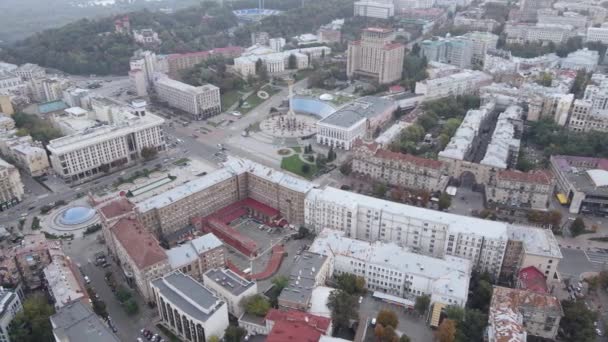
[
  {"x": 145, "y": 61},
  {"x": 528, "y": 9},
  {"x": 376, "y": 56},
  {"x": 454, "y": 51},
  {"x": 201, "y": 102},
  {"x": 6, "y": 106},
  {"x": 139, "y": 82}
]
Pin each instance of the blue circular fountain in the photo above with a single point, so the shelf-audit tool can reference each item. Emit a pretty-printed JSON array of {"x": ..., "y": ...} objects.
[{"x": 76, "y": 215}]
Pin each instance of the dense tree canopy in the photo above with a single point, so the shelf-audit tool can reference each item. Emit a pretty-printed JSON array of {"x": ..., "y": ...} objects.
[
  {"x": 343, "y": 306},
  {"x": 32, "y": 324},
  {"x": 351, "y": 283},
  {"x": 577, "y": 323}
]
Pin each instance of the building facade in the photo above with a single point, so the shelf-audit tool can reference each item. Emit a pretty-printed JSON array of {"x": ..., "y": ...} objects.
[
  {"x": 201, "y": 102},
  {"x": 11, "y": 187},
  {"x": 375, "y": 9},
  {"x": 463, "y": 83},
  {"x": 520, "y": 189},
  {"x": 376, "y": 56},
  {"x": 198, "y": 255},
  {"x": 10, "y": 306},
  {"x": 189, "y": 309},
  {"x": 76, "y": 322},
  {"x": 424, "y": 231}
]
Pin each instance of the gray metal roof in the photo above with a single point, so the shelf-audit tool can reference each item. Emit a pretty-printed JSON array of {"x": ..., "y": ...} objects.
[
  {"x": 77, "y": 322},
  {"x": 229, "y": 280},
  {"x": 357, "y": 110},
  {"x": 302, "y": 278},
  {"x": 188, "y": 295}
]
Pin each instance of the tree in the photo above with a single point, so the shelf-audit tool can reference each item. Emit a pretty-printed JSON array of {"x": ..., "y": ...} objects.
[
  {"x": 305, "y": 168},
  {"x": 344, "y": 307},
  {"x": 256, "y": 305},
  {"x": 350, "y": 283},
  {"x": 545, "y": 79},
  {"x": 292, "y": 62},
  {"x": 149, "y": 153},
  {"x": 422, "y": 304},
  {"x": 577, "y": 323},
  {"x": 577, "y": 227},
  {"x": 258, "y": 65},
  {"x": 404, "y": 338},
  {"x": 280, "y": 282},
  {"x": 214, "y": 338},
  {"x": 445, "y": 201},
  {"x": 346, "y": 168},
  {"x": 380, "y": 190},
  {"x": 386, "y": 334},
  {"x": 33, "y": 323},
  {"x": 131, "y": 307},
  {"x": 481, "y": 286},
  {"x": 446, "y": 331},
  {"x": 470, "y": 323},
  {"x": 387, "y": 318},
  {"x": 234, "y": 334}
]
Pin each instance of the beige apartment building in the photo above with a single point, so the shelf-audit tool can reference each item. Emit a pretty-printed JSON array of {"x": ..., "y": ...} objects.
[
  {"x": 11, "y": 187},
  {"x": 201, "y": 102},
  {"x": 515, "y": 314},
  {"x": 169, "y": 214},
  {"x": 138, "y": 254},
  {"x": 376, "y": 56},
  {"x": 521, "y": 189},
  {"x": 404, "y": 170}
]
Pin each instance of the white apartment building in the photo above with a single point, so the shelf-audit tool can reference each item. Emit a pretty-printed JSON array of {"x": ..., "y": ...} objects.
[
  {"x": 424, "y": 231},
  {"x": 11, "y": 83},
  {"x": 29, "y": 71},
  {"x": 527, "y": 33},
  {"x": 189, "y": 309},
  {"x": 147, "y": 62},
  {"x": 276, "y": 62},
  {"x": 11, "y": 187},
  {"x": 463, "y": 83},
  {"x": 146, "y": 36},
  {"x": 584, "y": 59},
  {"x": 77, "y": 97},
  {"x": 375, "y": 9},
  {"x": 10, "y": 306},
  {"x": 465, "y": 140},
  {"x": 375, "y": 56},
  {"x": 454, "y": 51},
  {"x": 276, "y": 44},
  {"x": 395, "y": 270},
  {"x": 591, "y": 112},
  {"x": 539, "y": 249},
  {"x": 503, "y": 149},
  {"x": 521, "y": 189},
  {"x": 598, "y": 34},
  {"x": 550, "y": 16},
  {"x": 229, "y": 287},
  {"x": 355, "y": 120},
  {"x": 462, "y": 19},
  {"x": 109, "y": 146},
  {"x": 407, "y": 4},
  {"x": 139, "y": 82},
  {"x": 201, "y": 102},
  {"x": 482, "y": 42}
]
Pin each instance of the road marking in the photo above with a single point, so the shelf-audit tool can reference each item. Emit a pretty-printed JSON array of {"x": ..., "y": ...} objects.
[
  {"x": 597, "y": 258},
  {"x": 42, "y": 196}
]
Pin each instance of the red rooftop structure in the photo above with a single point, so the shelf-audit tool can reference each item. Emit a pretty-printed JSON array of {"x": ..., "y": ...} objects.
[
  {"x": 296, "y": 326},
  {"x": 532, "y": 279}
]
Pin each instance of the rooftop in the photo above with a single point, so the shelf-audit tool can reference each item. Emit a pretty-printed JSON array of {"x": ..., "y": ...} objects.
[
  {"x": 535, "y": 176},
  {"x": 407, "y": 158},
  {"x": 450, "y": 275},
  {"x": 78, "y": 322},
  {"x": 358, "y": 110},
  {"x": 188, "y": 295},
  {"x": 536, "y": 241},
  {"x": 62, "y": 281},
  {"x": 506, "y": 320},
  {"x": 531, "y": 279},
  {"x": 229, "y": 281},
  {"x": 189, "y": 252},
  {"x": 317, "y": 322},
  {"x": 583, "y": 173},
  {"x": 164, "y": 80},
  {"x": 456, "y": 223},
  {"x": 302, "y": 278},
  {"x": 504, "y": 142},
  {"x": 115, "y": 208},
  {"x": 140, "y": 244}
]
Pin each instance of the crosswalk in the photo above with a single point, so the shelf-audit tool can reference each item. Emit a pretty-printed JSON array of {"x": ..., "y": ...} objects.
[{"x": 597, "y": 257}]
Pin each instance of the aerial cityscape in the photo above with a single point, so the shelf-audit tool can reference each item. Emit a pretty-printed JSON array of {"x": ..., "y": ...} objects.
[{"x": 304, "y": 171}]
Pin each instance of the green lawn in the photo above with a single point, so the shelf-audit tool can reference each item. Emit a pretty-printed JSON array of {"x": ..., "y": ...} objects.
[
  {"x": 294, "y": 164},
  {"x": 229, "y": 98},
  {"x": 297, "y": 149},
  {"x": 253, "y": 100}
]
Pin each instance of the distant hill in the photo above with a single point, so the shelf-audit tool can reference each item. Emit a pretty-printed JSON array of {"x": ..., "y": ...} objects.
[{"x": 92, "y": 47}]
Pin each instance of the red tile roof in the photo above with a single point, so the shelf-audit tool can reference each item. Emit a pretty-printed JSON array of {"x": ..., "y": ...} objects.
[
  {"x": 297, "y": 326},
  {"x": 531, "y": 279},
  {"x": 390, "y": 155},
  {"x": 116, "y": 208},
  {"x": 538, "y": 176},
  {"x": 141, "y": 245}
]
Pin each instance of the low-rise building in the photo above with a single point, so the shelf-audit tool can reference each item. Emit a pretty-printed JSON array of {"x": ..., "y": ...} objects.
[
  {"x": 30, "y": 71},
  {"x": 355, "y": 120},
  {"x": 515, "y": 314},
  {"x": 532, "y": 279},
  {"x": 63, "y": 280},
  {"x": 27, "y": 154},
  {"x": 463, "y": 83},
  {"x": 201, "y": 102},
  {"x": 182, "y": 61},
  {"x": 584, "y": 59},
  {"x": 189, "y": 309},
  {"x": 554, "y": 17},
  {"x": 277, "y": 62},
  {"x": 395, "y": 270},
  {"x": 229, "y": 287},
  {"x": 521, "y": 189},
  {"x": 30, "y": 257},
  {"x": 76, "y": 322},
  {"x": 294, "y": 325},
  {"x": 309, "y": 270},
  {"x": 196, "y": 256},
  {"x": 598, "y": 34},
  {"x": 138, "y": 254},
  {"x": 451, "y": 50},
  {"x": 10, "y": 306},
  {"x": 529, "y": 33},
  {"x": 397, "y": 169},
  {"x": 539, "y": 248},
  {"x": 146, "y": 36}
]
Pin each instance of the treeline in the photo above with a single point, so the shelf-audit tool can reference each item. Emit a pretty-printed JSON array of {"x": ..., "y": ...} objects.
[
  {"x": 92, "y": 47},
  {"x": 531, "y": 50}
]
